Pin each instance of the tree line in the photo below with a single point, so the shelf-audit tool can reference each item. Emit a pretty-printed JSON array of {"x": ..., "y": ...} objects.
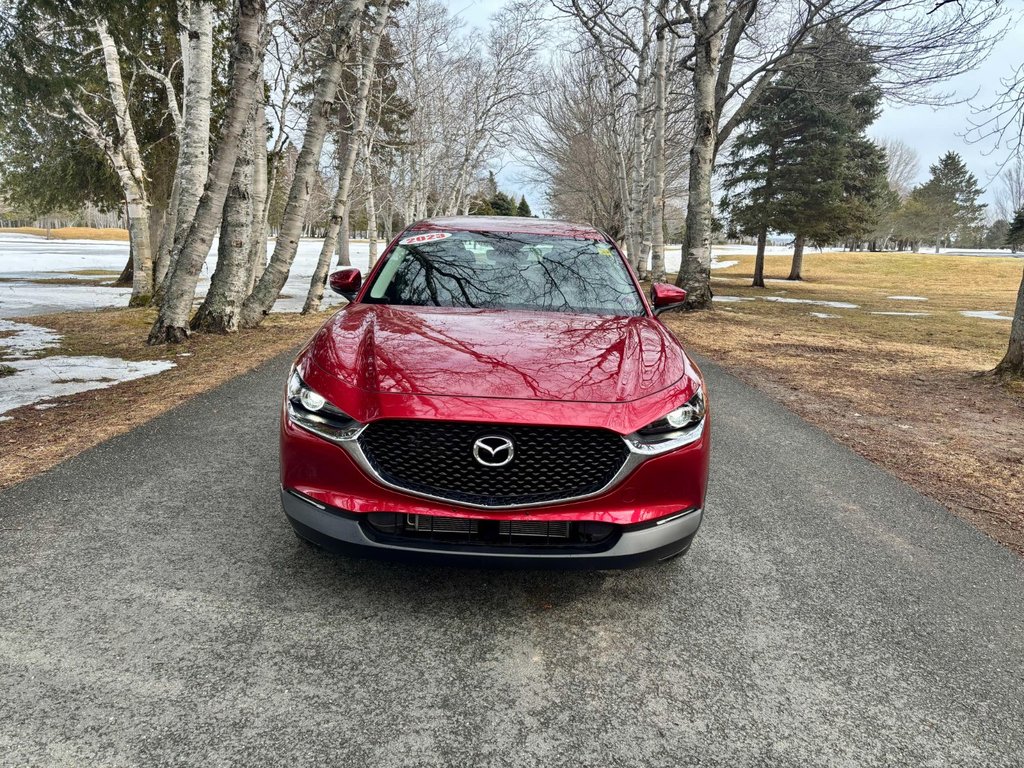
[
  {"x": 226, "y": 120},
  {"x": 216, "y": 121}
]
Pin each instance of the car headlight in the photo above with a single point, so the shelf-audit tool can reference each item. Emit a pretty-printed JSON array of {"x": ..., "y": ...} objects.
[
  {"x": 683, "y": 418},
  {"x": 310, "y": 410}
]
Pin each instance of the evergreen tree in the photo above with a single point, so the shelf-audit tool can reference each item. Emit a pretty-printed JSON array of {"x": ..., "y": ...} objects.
[
  {"x": 996, "y": 235},
  {"x": 48, "y": 61},
  {"x": 503, "y": 205},
  {"x": 1015, "y": 235},
  {"x": 755, "y": 176},
  {"x": 948, "y": 202},
  {"x": 524, "y": 208},
  {"x": 491, "y": 185},
  {"x": 802, "y": 163},
  {"x": 481, "y": 208}
]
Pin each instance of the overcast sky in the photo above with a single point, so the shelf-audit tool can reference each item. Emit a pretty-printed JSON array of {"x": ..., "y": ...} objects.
[{"x": 932, "y": 131}]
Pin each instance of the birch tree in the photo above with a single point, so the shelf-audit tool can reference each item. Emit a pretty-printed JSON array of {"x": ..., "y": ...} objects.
[
  {"x": 1001, "y": 124},
  {"x": 355, "y": 141},
  {"x": 621, "y": 35},
  {"x": 574, "y": 135},
  {"x": 569, "y": 144},
  {"x": 463, "y": 91},
  {"x": 738, "y": 45},
  {"x": 660, "y": 76},
  {"x": 903, "y": 164},
  {"x": 172, "y": 322},
  {"x": 339, "y": 41},
  {"x": 195, "y": 18},
  {"x": 229, "y": 284}
]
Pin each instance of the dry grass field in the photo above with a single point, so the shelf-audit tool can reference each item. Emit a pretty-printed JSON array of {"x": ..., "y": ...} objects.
[
  {"x": 89, "y": 418},
  {"x": 69, "y": 233},
  {"x": 908, "y": 391}
]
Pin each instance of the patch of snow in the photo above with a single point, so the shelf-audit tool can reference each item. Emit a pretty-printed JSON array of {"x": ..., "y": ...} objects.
[
  {"x": 730, "y": 299},
  {"x": 28, "y": 254},
  {"x": 58, "y": 275},
  {"x": 715, "y": 264},
  {"x": 814, "y": 302},
  {"x": 903, "y": 314},
  {"x": 907, "y": 298},
  {"x": 26, "y": 299},
  {"x": 734, "y": 249},
  {"x": 49, "y": 377},
  {"x": 26, "y": 339},
  {"x": 986, "y": 314},
  {"x": 823, "y": 315}
]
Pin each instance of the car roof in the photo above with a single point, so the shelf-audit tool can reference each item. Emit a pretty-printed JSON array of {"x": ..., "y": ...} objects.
[{"x": 508, "y": 224}]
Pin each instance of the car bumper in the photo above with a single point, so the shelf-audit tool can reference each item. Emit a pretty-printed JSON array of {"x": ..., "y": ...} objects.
[{"x": 346, "y": 532}]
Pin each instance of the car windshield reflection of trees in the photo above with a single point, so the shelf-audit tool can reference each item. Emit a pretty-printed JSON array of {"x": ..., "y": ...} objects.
[{"x": 494, "y": 271}]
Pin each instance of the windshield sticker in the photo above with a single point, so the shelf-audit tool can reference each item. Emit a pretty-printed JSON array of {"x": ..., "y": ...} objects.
[
  {"x": 604, "y": 250},
  {"x": 429, "y": 237}
]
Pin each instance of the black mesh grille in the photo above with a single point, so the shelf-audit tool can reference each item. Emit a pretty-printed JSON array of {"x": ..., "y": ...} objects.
[{"x": 548, "y": 464}]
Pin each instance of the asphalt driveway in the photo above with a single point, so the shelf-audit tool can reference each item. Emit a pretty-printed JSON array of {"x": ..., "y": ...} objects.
[{"x": 156, "y": 609}]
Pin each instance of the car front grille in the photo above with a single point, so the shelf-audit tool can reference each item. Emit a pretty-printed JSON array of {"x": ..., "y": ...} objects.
[
  {"x": 554, "y": 534},
  {"x": 548, "y": 464}
]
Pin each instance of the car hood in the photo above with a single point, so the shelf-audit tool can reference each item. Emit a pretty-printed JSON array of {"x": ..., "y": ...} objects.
[{"x": 498, "y": 354}]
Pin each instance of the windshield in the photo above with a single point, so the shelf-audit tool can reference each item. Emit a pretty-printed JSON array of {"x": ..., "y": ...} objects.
[{"x": 506, "y": 271}]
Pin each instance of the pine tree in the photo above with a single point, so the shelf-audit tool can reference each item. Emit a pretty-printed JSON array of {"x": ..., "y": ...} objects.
[
  {"x": 949, "y": 207},
  {"x": 503, "y": 205},
  {"x": 802, "y": 163},
  {"x": 524, "y": 208},
  {"x": 996, "y": 235},
  {"x": 491, "y": 185},
  {"x": 1015, "y": 233}
]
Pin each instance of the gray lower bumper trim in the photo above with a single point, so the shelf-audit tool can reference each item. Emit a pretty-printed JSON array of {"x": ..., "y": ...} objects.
[{"x": 639, "y": 545}]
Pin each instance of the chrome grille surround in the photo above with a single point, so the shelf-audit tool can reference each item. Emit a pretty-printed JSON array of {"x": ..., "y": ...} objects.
[{"x": 640, "y": 449}]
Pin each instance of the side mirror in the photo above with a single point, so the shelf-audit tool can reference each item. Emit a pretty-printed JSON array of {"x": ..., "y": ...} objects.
[
  {"x": 346, "y": 282},
  {"x": 665, "y": 296}
]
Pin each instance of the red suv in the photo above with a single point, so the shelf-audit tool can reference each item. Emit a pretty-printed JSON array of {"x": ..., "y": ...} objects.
[{"x": 499, "y": 391}]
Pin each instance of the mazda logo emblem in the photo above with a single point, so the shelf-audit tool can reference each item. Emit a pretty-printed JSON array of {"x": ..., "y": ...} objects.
[{"x": 493, "y": 451}]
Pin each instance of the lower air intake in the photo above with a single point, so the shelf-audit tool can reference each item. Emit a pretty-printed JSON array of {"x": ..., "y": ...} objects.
[{"x": 519, "y": 533}]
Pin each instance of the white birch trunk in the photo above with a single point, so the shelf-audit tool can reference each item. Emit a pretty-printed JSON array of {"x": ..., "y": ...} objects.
[
  {"x": 637, "y": 196},
  {"x": 342, "y": 202},
  {"x": 260, "y": 200},
  {"x": 371, "y": 205},
  {"x": 196, "y": 38},
  {"x": 171, "y": 325},
  {"x": 695, "y": 268},
  {"x": 1012, "y": 364},
  {"x": 130, "y": 171},
  {"x": 658, "y": 152},
  {"x": 263, "y": 296},
  {"x": 230, "y": 281}
]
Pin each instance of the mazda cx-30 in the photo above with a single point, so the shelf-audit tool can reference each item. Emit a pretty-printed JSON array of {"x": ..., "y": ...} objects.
[{"x": 498, "y": 390}]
